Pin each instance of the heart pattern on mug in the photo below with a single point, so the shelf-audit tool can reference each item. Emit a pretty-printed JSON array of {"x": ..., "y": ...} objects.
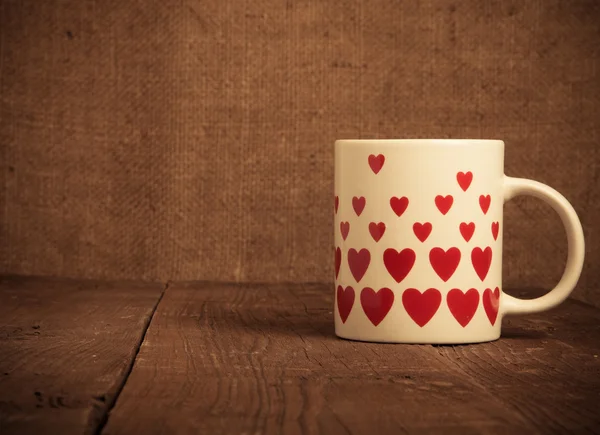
[
  {"x": 422, "y": 230},
  {"x": 399, "y": 263},
  {"x": 491, "y": 304},
  {"x": 338, "y": 261},
  {"x": 399, "y": 205},
  {"x": 377, "y": 230},
  {"x": 463, "y": 305},
  {"x": 345, "y": 301},
  {"x": 358, "y": 204},
  {"x": 495, "y": 229},
  {"x": 376, "y": 162},
  {"x": 421, "y": 307},
  {"x": 464, "y": 179},
  {"x": 376, "y": 304},
  {"x": 358, "y": 261},
  {"x": 484, "y": 203},
  {"x": 481, "y": 259},
  {"x": 344, "y": 229},
  {"x": 444, "y": 203},
  {"x": 444, "y": 262},
  {"x": 467, "y": 230}
]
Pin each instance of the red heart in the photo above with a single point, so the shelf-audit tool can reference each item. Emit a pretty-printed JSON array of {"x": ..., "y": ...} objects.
[
  {"x": 337, "y": 203},
  {"x": 376, "y": 305},
  {"x": 463, "y": 305},
  {"x": 484, "y": 203},
  {"x": 338, "y": 261},
  {"x": 481, "y": 259},
  {"x": 495, "y": 229},
  {"x": 491, "y": 303},
  {"x": 377, "y": 230},
  {"x": 422, "y": 230},
  {"x": 444, "y": 262},
  {"x": 399, "y": 264},
  {"x": 344, "y": 229},
  {"x": 467, "y": 230},
  {"x": 444, "y": 203},
  {"x": 359, "y": 262},
  {"x": 399, "y": 205},
  {"x": 359, "y": 204},
  {"x": 376, "y": 162},
  {"x": 464, "y": 180},
  {"x": 345, "y": 301},
  {"x": 421, "y": 306}
]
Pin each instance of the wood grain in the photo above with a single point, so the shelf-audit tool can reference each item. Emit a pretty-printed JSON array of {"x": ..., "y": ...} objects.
[
  {"x": 238, "y": 359},
  {"x": 66, "y": 348}
]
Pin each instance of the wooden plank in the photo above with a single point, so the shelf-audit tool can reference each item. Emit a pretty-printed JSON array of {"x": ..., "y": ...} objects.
[
  {"x": 264, "y": 359},
  {"x": 66, "y": 347}
]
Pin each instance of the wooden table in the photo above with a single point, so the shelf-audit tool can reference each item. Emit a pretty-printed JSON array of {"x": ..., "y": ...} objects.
[{"x": 201, "y": 358}]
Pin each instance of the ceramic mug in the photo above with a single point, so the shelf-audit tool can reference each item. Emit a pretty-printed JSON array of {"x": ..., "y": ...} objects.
[{"x": 418, "y": 240}]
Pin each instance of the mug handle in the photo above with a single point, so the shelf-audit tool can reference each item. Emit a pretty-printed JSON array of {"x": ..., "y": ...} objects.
[{"x": 576, "y": 246}]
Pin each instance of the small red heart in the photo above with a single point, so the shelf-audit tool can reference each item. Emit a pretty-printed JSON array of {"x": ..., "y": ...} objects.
[
  {"x": 399, "y": 264},
  {"x": 377, "y": 230},
  {"x": 467, "y": 230},
  {"x": 421, "y": 307},
  {"x": 495, "y": 229},
  {"x": 491, "y": 303},
  {"x": 376, "y": 162},
  {"x": 444, "y": 203},
  {"x": 481, "y": 259},
  {"x": 444, "y": 262},
  {"x": 359, "y": 204},
  {"x": 358, "y": 261},
  {"x": 484, "y": 203},
  {"x": 344, "y": 229},
  {"x": 337, "y": 203},
  {"x": 422, "y": 230},
  {"x": 376, "y": 305},
  {"x": 463, "y": 305},
  {"x": 338, "y": 261},
  {"x": 464, "y": 179},
  {"x": 399, "y": 205},
  {"x": 345, "y": 301}
]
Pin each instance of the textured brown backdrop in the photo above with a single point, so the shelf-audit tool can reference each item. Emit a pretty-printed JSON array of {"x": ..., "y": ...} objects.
[{"x": 193, "y": 139}]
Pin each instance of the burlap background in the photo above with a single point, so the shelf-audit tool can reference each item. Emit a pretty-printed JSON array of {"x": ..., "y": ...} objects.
[{"x": 193, "y": 139}]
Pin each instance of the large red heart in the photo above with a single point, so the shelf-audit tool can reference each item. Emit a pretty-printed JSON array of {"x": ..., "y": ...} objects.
[
  {"x": 481, "y": 259},
  {"x": 444, "y": 203},
  {"x": 376, "y": 305},
  {"x": 464, "y": 180},
  {"x": 463, "y": 305},
  {"x": 422, "y": 230},
  {"x": 377, "y": 230},
  {"x": 399, "y": 205},
  {"x": 359, "y": 204},
  {"x": 337, "y": 203},
  {"x": 344, "y": 229},
  {"x": 444, "y": 262},
  {"x": 376, "y": 162},
  {"x": 358, "y": 261},
  {"x": 399, "y": 264},
  {"x": 421, "y": 306},
  {"x": 338, "y": 261},
  {"x": 495, "y": 229},
  {"x": 467, "y": 230},
  {"x": 345, "y": 301},
  {"x": 484, "y": 203},
  {"x": 491, "y": 303}
]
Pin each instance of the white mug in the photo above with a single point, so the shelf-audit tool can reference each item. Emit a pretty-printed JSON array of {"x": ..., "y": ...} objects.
[{"x": 418, "y": 241}]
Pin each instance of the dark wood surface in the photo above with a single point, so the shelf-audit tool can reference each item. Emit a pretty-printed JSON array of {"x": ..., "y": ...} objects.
[
  {"x": 264, "y": 360},
  {"x": 66, "y": 348}
]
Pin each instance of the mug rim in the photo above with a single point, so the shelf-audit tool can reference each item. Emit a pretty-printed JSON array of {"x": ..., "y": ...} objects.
[{"x": 420, "y": 142}]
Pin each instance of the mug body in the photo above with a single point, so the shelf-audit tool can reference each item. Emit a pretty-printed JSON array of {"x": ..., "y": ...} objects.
[{"x": 418, "y": 240}]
